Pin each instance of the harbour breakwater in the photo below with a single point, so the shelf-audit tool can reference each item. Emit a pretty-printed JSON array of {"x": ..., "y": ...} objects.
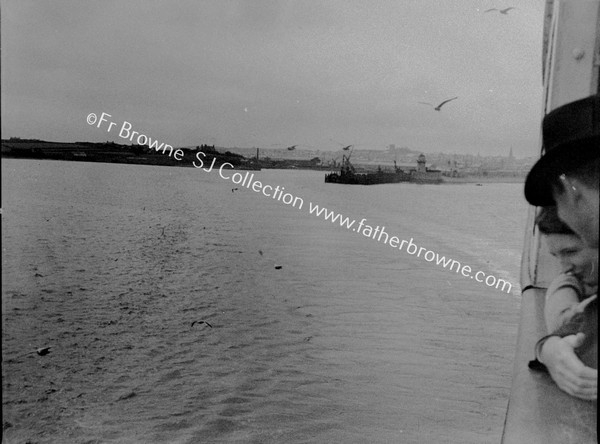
[{"x": 110, "y": 152}]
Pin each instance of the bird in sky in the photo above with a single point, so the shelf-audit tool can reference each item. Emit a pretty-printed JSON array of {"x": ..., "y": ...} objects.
[
  {"x": 439, "y": 107},
  {"x": 344, "y": 147},
  {"x": 501, "y": 11},
  {"x": 292, "y": 148}
]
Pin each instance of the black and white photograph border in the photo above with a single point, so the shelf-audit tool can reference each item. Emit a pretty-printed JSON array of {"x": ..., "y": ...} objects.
[{"x": 271, "y": 221}]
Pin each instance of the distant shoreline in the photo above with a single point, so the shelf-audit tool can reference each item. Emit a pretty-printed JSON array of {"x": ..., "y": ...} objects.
[
  {"x": 142, "y": 155},
  {"x": 445, "y": 180},
  {"x": 483, "y": 179},
  {"x": 115, "y": 153}
]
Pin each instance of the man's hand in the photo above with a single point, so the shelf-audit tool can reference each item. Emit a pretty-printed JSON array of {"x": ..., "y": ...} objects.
[{"x": 569, "y": 373}]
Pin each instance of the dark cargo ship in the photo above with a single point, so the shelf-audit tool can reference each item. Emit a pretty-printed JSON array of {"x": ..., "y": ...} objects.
[{"x": 348, "y": 174}]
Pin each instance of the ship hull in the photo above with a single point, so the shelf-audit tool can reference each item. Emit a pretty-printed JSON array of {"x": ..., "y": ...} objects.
[{"x": 382, "y": 178}]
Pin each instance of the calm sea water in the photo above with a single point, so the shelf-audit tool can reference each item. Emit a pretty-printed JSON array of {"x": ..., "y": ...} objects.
[{"x": 311, "y": 332}]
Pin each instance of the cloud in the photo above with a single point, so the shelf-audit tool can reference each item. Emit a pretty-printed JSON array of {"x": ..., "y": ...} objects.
[{"x": 305, "y": 69}]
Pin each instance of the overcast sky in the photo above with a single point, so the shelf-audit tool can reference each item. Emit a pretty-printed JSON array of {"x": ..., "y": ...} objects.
[{"x": 274, "y": 73}]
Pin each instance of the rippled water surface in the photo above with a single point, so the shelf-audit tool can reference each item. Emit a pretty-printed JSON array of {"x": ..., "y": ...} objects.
[{"x": 311, "y": 332}]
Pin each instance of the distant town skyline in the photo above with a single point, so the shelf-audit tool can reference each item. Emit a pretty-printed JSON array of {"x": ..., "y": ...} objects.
[{"x": 298, "y": 152}]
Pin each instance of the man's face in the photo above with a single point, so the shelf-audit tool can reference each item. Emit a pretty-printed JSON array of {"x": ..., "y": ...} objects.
[
  {"x": 575, "y": 209},
  {"x": 574, "y": 257}
]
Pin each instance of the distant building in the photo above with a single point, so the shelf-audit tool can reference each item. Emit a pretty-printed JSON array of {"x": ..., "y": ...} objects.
[
  {"x": 421, "y": 161},
  {"x": 424, "y": 175}
]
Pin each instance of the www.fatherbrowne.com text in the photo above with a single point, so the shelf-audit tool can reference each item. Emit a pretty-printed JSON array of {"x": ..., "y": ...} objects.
[{"x": 380, "y": 235}]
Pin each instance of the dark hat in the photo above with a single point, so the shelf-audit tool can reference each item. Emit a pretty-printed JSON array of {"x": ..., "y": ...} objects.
[{"x": 571, "y": 136}]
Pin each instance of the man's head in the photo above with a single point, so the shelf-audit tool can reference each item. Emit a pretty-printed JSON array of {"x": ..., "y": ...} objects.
[
  {"x": 574, "y": 256},
  {"x": 576, "y": 197},
  {"x": 567, "y": 175}
]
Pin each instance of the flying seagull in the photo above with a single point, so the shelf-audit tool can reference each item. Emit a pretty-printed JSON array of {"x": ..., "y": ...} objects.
[
  {"x": 292, "y": 148},
  {"x": 201, "y": 322},
  {"x": 42, "y": 351},
  {"x": 501, "y": 11},
  {"x": 439, "y": 107}
]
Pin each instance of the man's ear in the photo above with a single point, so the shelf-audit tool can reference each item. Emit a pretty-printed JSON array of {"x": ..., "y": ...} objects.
[
  {"x": 576, "y": 190},
  {"x": 571, "y": 190}
]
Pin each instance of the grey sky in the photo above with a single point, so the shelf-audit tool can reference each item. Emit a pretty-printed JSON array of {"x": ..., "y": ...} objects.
[{"x": 274, "y": 73}]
